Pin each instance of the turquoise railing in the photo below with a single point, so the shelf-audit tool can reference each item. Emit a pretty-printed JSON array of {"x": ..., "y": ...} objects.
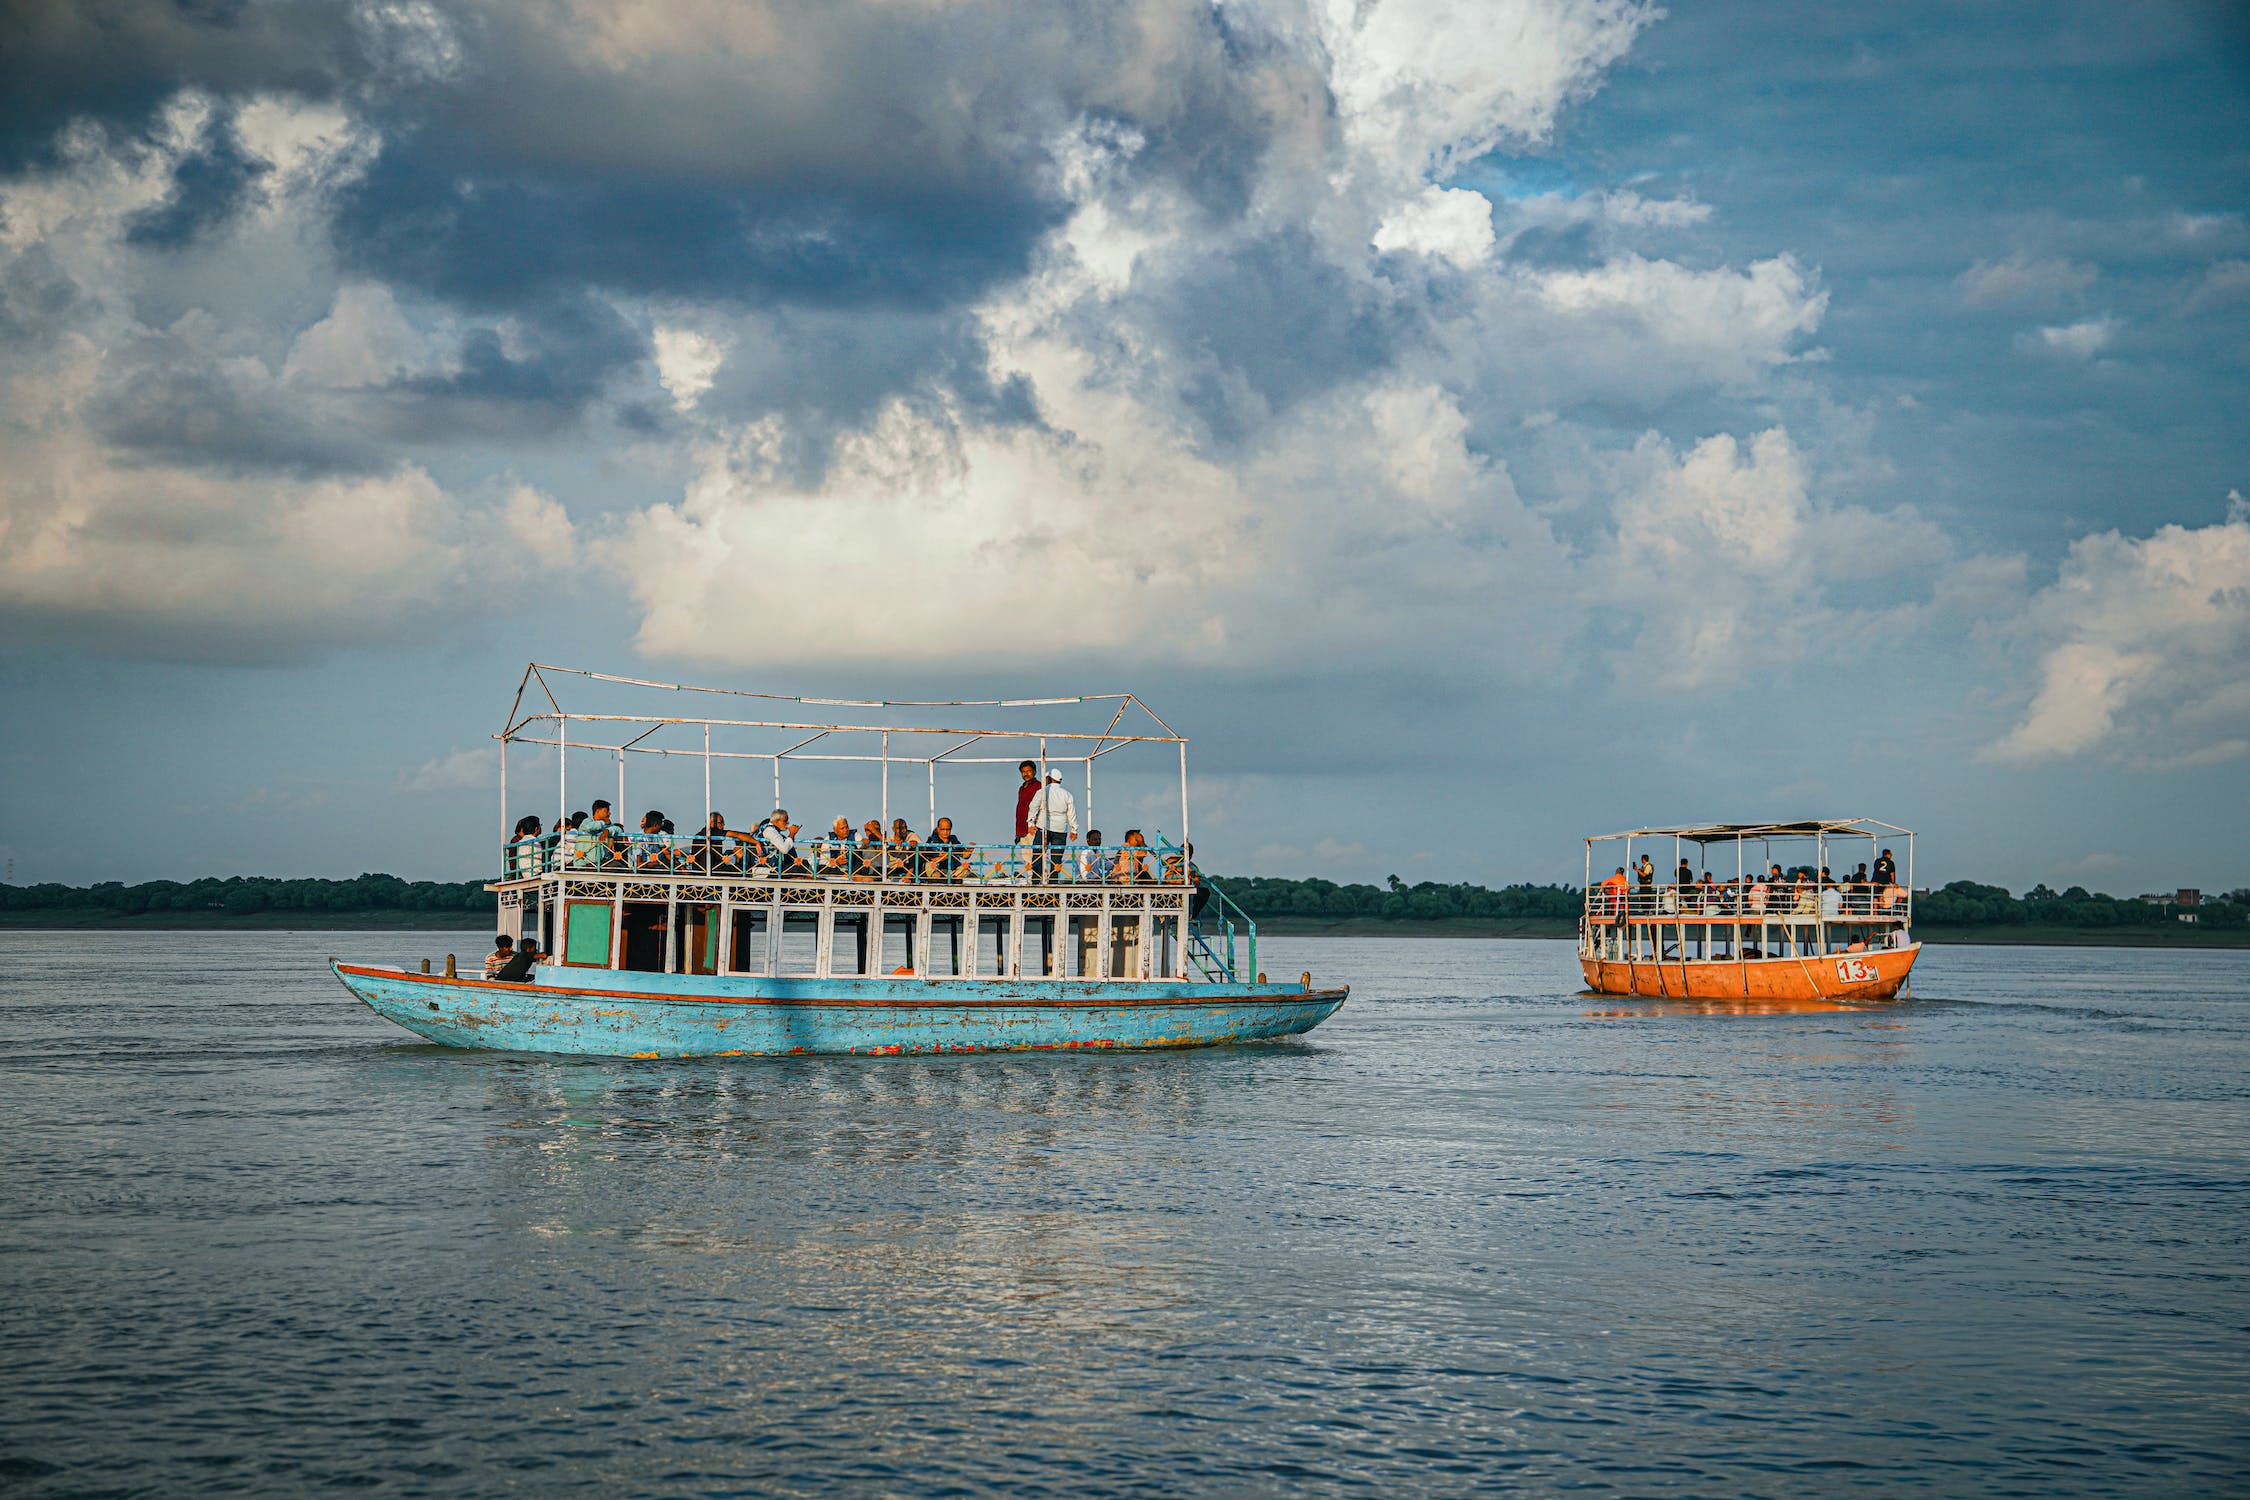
[{"x": 1221, "y": 922}]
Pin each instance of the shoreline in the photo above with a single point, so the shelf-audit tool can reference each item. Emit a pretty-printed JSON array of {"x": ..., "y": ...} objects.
[{"x": 1548, "y": 930}]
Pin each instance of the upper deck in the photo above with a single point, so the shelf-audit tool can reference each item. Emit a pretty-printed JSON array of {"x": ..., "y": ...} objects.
[{"x": 760, "y": 897}]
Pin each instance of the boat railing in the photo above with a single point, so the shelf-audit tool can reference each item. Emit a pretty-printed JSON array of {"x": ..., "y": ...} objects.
[
  {"x": 1215, "y": 925},
  {"x": 1779, "y": 900},
  {"x": 619, "y": 852}
]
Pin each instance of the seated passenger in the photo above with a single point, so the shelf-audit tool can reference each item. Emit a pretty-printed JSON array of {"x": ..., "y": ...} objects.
[
  {"x": 867, "y": 856},
  {"x": 503, "y": 949},
  {"x": 517, "y": 970},
  {"x": 1131, "y": 865},
  {"x": 1094, "y": 861},
  {"x": 833, "y": 854},
  {"x": 525, "y": 849},
  {"x": 651, "y": 850},
  {"x": 944, "y": 857},
  {"x": 780, "y": 852},
  {"x": 898, "y": 857},
  {"x": 582, "y": 847},
  {"x": 714, "y": 849},
  {"x": 610, "y": 840},
  {"x": 1175, "y": 864}
]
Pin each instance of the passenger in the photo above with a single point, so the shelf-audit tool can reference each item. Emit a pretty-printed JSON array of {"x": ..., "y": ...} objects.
[
  {"x": 651, "y": 850},
  {"x": 503, "y": 949},
  {"x": 1093, "y": 861},
  {"x": 1131, "y": 864},
  {"x": 609, "y": 838},
  {"x": 517, "y": 970},
  {"x": 1027, "y": 789},
  {"x": 525, "y": 848},
  {"x": 779, "y": 836},
  {"x": 1613, "y": 894},
  {"x": 1888, "y": 891},
  {"x": 1052, "y": 817},
  {"x": 944, "y": 857},
  {"x": 1831, "y": 901},
  {"x": 834, "y": 853},
  {"x": 1175, "y": 863},
  {"x": 584, "y": 845},
  {"x": 899, "y": 859},
  {"x": 714, "y": 848},
  {"x": 1710, "y": 894},
  {"x": 1644, "y": 883},
  {"x": 867, "y": 857}
]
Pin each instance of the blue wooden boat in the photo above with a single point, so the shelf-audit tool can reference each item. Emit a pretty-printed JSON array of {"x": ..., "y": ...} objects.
[
  {"x": 739, "y": 942},
  {"x": 652, "y": 1015}
]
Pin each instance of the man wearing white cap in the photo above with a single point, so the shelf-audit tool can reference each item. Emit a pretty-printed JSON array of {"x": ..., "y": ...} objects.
[{"x": 1052, "y": 819}]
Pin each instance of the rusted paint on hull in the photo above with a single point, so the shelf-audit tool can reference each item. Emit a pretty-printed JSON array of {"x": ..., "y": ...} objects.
[
  {"x": 1847, "y": 977},
  {"x": 656, "y": 1015}
]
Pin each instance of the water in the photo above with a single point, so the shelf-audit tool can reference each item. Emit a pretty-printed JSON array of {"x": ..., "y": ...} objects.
[{"x": 1466, "y": 1237}]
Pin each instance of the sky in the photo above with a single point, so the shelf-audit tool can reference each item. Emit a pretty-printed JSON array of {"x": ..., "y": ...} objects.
[{"x": 1475, "y": 423}]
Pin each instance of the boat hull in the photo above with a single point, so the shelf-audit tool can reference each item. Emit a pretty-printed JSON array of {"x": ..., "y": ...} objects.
[
  {"x": 674, "y": 1015},
  {"x": 1846, "y": 977}
]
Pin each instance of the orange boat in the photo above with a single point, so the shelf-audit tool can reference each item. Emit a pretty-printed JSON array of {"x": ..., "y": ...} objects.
[{"x": 1769, "y": 928}]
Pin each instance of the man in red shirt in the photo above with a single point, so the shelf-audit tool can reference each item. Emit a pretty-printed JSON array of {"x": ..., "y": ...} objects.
[{"x": 1024, "y": 794}]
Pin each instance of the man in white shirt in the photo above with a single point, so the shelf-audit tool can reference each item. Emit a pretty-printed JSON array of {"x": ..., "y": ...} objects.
[
  {"x": 1052, "y": 821},
  {"x": 780, "y": 837}
]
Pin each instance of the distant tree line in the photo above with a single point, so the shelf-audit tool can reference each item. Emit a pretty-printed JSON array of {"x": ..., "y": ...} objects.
[
  {"x": 1964, "y": 903},
  {"x": 248, "y": 895},
  {"x": 1264, "y": 896}
]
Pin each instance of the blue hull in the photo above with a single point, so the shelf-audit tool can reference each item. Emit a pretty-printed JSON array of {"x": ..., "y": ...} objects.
[{"x": 681, "y": 1015}]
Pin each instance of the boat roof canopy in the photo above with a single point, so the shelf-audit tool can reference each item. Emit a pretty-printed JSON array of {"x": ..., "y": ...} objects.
[{"x": 1720, "y": 833}]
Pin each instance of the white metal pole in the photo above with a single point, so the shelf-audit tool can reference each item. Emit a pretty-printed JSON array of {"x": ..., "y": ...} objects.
[
  {"x": 931, "y": 767},
  {"x": 507, "y": 832},
  {"x": 886, "y": 783},
  {"x": 1089, "y": 793},
  {"x": 562, "y": 765},
  {"x": 1183, "y": 807},
  {"x": 706, "y": 779},
  {"x": 777, "y": 781}
]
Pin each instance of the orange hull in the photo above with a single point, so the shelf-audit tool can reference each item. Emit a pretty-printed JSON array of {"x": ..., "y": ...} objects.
[{"x": 1877, "y": 975}]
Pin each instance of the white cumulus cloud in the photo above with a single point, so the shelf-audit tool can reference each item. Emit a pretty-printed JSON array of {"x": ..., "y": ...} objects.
[{"x": 2144, "y": 650}]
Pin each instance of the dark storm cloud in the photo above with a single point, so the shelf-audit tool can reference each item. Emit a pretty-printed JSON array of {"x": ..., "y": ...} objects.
[
  {"x": 170, "y": 398},
  {"x": 209, "y": 185},
  {"x": 505, "y": 235},
  {"x": 566, "y": 353},
  {"x": 116, "y": 62},
  {"x": 1274, "y": 324}
]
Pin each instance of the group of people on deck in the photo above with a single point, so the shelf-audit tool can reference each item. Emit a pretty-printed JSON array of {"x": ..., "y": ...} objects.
[
  {"x": 1046, "y": 847},
  {"x": 1803, "y": 892}
]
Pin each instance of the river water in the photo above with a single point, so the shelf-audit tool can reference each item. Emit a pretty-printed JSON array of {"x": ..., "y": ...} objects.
[{"x": 1475, "y": 1234}]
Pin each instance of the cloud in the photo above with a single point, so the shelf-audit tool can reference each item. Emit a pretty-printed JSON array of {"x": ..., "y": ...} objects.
[
  {"x": 1451, "y": 224},
  {"x": 2022, "y": 278},
  {"x": 2144, "y": 650},
  {"x": 687, "y": 362},
  {"x": 2081, "y": 340},
  {"x": 473, "y": 769},
  {"x": 2221, "y": 284}
]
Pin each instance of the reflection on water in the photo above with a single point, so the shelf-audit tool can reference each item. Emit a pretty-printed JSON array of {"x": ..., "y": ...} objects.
[{"x": 1467, "y": 1235}]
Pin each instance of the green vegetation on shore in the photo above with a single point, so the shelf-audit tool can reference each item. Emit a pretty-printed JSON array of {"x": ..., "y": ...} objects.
[{"x": 1962, "y": 912}]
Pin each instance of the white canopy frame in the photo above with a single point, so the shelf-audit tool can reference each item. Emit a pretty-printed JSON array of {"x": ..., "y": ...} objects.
[{"x": 528, "y": 723}]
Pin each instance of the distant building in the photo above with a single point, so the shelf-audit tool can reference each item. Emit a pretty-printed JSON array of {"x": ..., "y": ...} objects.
[{"x": 2189, "y": 897}]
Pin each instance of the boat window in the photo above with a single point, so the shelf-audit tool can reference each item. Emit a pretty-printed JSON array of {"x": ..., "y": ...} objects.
[
  {"x": 642, "y": 927},
  {"x": 847, "y": 944},
  {"x": 992, "y": 948},
  {"x": 699, "y": 939},
  {"x": 800, "y": 944},
  {"x": 747, "y": 953},
  {"x": 948, "y": 945},
  {"x": 898, "y": 942}
]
